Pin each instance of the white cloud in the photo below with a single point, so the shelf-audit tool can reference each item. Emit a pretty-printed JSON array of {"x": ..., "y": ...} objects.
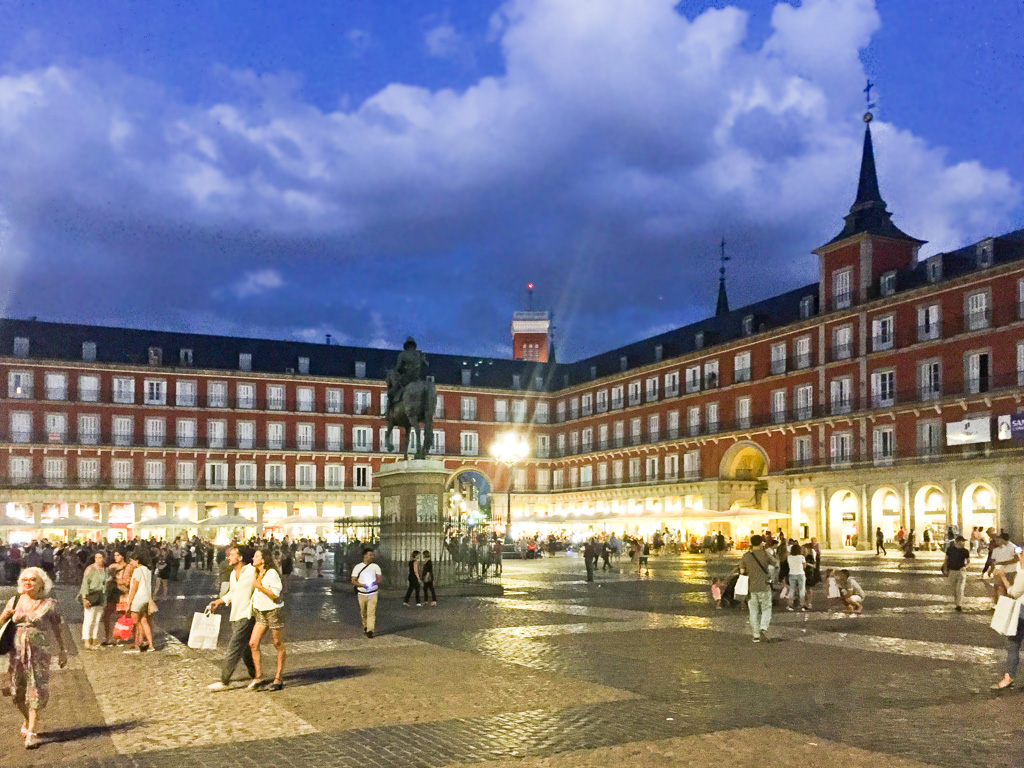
[
  {"x": 443, "y": 41},
  {"x": 620, "y": 130},
  {"x": 257, "y": 282}
]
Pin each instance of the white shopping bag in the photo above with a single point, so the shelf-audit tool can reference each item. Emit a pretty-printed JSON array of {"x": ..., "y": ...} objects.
[
  {"x": 1006, "y": 616},
  {"x": 742, "y": 588},
  {"x": 204, "y": 632}
]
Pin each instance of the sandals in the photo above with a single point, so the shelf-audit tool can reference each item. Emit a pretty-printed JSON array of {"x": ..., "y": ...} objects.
[
  {"x": 277, "y": 685},
  {"x": 255, "y": 685},
  {"x": 31, "y": 740},
  {"x": 1000, "y": 687}
]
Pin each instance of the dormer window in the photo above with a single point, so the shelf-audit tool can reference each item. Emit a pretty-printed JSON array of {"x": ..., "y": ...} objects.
[
  {"x": 933, "y": 268},
  {"x": 806, "y": 307},
  {"x": 698, "y": 340},
  {"x": 185, "y": 358},
  {"x": 887, "y": 283},
  {"x": 20, "y": 346},
  {"x": 748, "y": 325},
  {"x": 623, "y": 363},
  {"x": 304, "y": 365},
  {"x": 467, "y": 377},
  {"x": 156, "y": 356},
  {"x": 593, "y": 372},
  {"x": 245, "y": 361},
  {"x": 360, "y": 369},
  {"x": 89, "y": 351},
  {"x": 517, "y": 382},
  {"x": 984, "y": 252}
]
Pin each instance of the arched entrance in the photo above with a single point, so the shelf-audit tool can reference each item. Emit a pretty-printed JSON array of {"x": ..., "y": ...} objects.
[
  {"x": 885, "y": 512},
  {"x": 980, "y": 506},
  {"x": 931, "y": 511},
  {"x": 468, "y": 499},
  {"x": 743, "y": 461},
  {"x": 843, "y": 512}
]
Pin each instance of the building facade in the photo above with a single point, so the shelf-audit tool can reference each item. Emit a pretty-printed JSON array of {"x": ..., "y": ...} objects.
[{"x": 883, "y": 395}]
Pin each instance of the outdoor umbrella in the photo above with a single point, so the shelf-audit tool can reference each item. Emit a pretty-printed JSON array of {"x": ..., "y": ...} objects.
[
  {"x": 67, "y": 523},
  {"x": 13, "y": 522},
  {"x": 228, "y": 521},
  {"x": 304, "y": 520},
  {"x": 165, "y": 521}
]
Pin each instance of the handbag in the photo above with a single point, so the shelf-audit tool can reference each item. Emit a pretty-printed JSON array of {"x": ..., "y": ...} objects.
[
  {"x": 7, "y": 632},
  {"x": 742, "y": 588},
  {"x": 95, "y": 597},
  {"x": 1006, "y": 616},
  {"x": 204, "y": 632},
  {"x": 123, "y": 627}
]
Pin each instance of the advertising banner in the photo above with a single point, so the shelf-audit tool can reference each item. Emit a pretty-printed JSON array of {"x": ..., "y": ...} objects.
[{"x": 969, "y": 431}]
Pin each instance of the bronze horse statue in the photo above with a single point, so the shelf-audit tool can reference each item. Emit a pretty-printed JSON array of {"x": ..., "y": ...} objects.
[{"x": 414, "y": 408}]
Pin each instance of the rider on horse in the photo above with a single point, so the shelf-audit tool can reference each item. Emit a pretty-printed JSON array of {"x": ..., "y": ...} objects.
[{"x": 411, "y": 363}]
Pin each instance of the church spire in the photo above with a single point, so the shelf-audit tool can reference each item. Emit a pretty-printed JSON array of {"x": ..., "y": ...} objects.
[
  {"x": 867, "y": 187},
  {"x": 723, "y": 301}
]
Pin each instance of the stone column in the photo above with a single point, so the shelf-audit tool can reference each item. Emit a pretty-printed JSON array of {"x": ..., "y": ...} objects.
[
  {"x": 825, "y": 538},
  {"x": 138, "y": 507},
  {"x": 953, "y": 516},
  {"x": 104, "y": 510},
  {"x": 907, "y": 518},
  {"x": 37, "y": 514},
  {"x": 348, "y": 509},
  {"x": 259, "y": 514},
  {"x": 319, "y": 509},
  {"x": 865, "y": 533},
  {"x": 1010, "y": 504}
]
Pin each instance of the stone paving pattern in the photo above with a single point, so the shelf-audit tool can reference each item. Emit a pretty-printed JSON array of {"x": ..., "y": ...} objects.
[{"x": 626, "y": 671}]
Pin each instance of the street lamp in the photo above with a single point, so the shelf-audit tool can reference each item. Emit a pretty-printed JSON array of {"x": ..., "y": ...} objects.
[{"x": 510, "y": 448}]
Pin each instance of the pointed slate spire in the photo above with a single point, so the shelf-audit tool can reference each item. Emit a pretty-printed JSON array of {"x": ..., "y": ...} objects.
[
  {"x": 868, "y": 213},
  {"x": 867, "y": 187},
  {"x": 723, "y": 301}
]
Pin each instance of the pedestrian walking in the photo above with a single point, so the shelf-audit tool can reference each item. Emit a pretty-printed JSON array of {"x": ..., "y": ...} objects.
[
  {"x": 645, "y": 553},
  {"x": 590, "y": 554},
  {"x": 239, "y": 599},
  {"x": 367, "y": 577},
  {"x": 756, "y": 563},
  {"x": 140, "y": 602},
  {"x": 93, "y": 594},
  {"x": 415, "y": 582},
  {"x": 267, "y": 605},
  {"x": 908, "y": 550},
  {"x": 955, "y": 570},
  {"x": 797, "y": 579},
  {"x": 35, "y": 617},
  {"x": 427, "y": 572},
  {"x": 880, "y": 542},
  {"x": 1013, "y": 642}
]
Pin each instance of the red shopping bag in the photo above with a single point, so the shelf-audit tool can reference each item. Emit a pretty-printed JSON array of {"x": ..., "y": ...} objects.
[{"x": 123, "y": 628}]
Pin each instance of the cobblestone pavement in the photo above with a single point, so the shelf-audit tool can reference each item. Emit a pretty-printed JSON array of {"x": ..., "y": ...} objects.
[{"x": 630, "y": 670}]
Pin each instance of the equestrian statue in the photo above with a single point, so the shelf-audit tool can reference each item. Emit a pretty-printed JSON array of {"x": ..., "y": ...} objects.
[{"x": 411, "y": 401}]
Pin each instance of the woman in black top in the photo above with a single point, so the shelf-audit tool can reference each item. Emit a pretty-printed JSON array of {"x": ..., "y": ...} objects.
[
  {"x": 427, "y": 573},
  {"x": 414, "y": 579}
]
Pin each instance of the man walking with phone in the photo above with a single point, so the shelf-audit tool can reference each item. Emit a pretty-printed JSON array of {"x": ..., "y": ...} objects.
[
  {"x": 757, "y": 563},
  {"x": 367, "y": 577}
]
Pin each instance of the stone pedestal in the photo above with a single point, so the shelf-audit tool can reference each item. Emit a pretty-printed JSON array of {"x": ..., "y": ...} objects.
[{"x": 411, "y": 517}]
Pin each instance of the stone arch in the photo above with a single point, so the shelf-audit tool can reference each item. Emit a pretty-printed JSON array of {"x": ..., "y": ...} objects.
[
  {"x": 931, "y": 510},
  {"x": 979, "y": 505},
  {"x": 843, "y": 517},
  {"x": 469, "y": 468},
  {"x": 886, "y": 511},
  {"x": 745, "y": 460}
]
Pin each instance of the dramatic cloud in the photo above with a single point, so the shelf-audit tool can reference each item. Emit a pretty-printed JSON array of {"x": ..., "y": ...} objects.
[{"x": 620, "y": 143}]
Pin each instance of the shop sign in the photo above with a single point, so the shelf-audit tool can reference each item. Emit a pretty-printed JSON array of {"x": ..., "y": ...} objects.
[
  {"x": 969, "y": 431},
  {"x": 1011, "y": 426}
]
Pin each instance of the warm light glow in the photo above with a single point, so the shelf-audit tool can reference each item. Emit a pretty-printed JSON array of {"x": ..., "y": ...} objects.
[
  {"x": 983, "y": 498},
  {"x": 510, "y": 448},
  {"x": 808, "y": 501},
  {"x": 849, "y": 503},
  {"x": 891, "y": 501},
  {"x": 934, "y": 500}
]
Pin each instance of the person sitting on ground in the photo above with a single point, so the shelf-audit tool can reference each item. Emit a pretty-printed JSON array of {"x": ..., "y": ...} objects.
[
  {"x": 716, "y": 592},
  {"x": 851, "y": 592}
]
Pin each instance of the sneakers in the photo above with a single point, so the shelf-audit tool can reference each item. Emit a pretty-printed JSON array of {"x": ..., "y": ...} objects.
[
  {"x": 757, "y": 639},
  {"x": 419, "y": 605},
  {"x": 218, "y": 686},
  {"x": 790, "y": 608},
  {"x": 433, "y": 602},
  {"x": 370, "y": 635},
  {"x": 764, "y": 636}
]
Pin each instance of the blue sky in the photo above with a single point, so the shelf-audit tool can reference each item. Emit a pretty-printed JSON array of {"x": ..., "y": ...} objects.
[{"x": 372, "y": 169}]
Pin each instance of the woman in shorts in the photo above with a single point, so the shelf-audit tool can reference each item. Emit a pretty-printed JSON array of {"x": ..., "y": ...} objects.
[{"x": 267, "y": 605}]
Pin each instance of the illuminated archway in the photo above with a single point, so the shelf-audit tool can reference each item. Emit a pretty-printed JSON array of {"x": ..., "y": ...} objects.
[
  {"x": 843, "y": 515},
  {"x": 743, "y": 461},
  {"x": 886, "y": 509},
  {"x": 931, "y": 511},
  {"x": 980, "y": 506}
]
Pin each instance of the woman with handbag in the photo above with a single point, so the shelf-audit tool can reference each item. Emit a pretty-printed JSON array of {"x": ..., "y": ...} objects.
[
  {"x": 140, "y": 602},
  {"x": 117, "y": 594},
  {"x": 93, "y": 594},
  {"x": 1015, "y": 591},
  {"x": 35, "y": 618}
]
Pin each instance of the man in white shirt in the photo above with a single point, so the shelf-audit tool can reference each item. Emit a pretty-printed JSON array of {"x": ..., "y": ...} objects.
[
  {"x": 239, "y": 598},
  {"x": 367, "y": 577}
]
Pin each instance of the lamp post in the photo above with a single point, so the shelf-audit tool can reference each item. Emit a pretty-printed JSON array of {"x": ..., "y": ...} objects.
[{"x": 509, "y": 449}]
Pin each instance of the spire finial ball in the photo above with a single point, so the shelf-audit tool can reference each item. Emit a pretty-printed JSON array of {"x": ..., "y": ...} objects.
[{"x": 868, "y": 117}]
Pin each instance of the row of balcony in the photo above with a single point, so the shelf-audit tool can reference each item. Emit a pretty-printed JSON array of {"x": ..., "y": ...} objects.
[{"x": 38, "y": 482}]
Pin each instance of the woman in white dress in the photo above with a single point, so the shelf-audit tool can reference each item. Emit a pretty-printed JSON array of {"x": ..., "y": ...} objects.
[{"x": 140, "y": 600}]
